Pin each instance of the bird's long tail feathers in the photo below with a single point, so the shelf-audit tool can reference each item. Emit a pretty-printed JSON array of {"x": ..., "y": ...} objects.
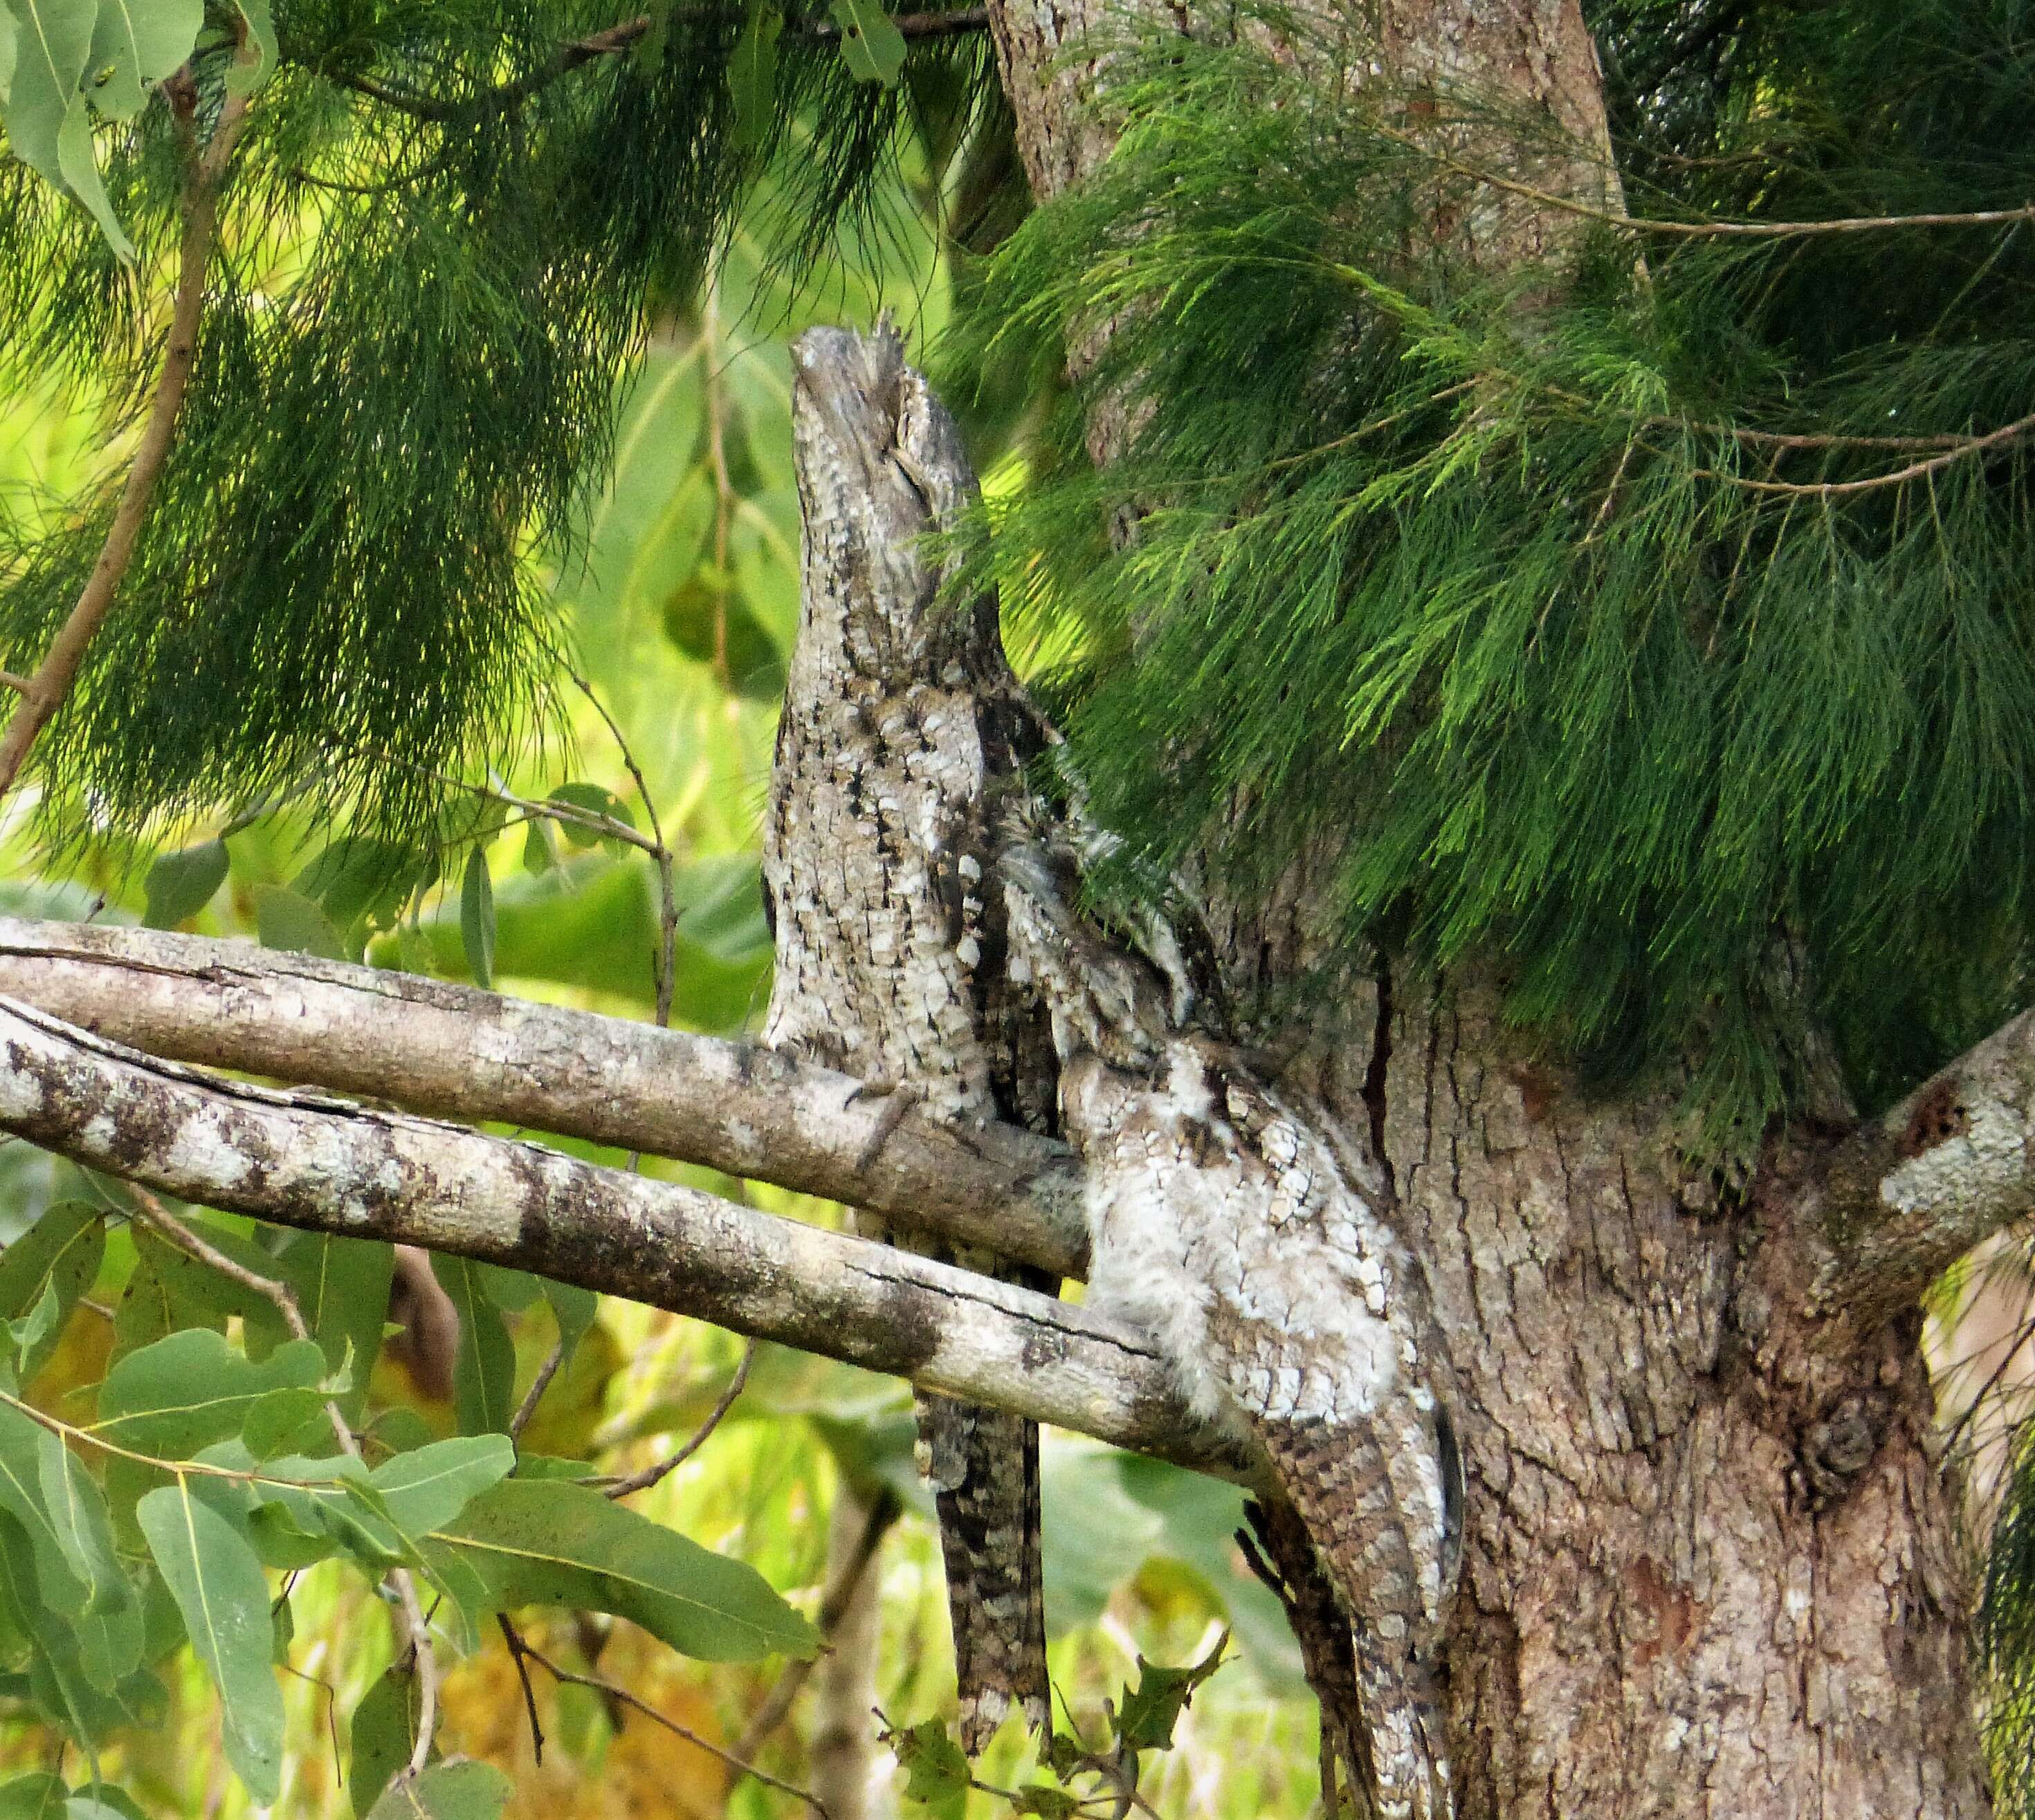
[
  {"x": 983, "y": 1467},
  {"x": 1406, "y": 1734}
]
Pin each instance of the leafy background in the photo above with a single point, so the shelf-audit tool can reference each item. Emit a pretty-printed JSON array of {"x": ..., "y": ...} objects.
[{"x": 678, "y": 613}]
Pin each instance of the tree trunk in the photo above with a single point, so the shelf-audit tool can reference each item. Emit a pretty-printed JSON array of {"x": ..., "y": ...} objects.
[
  {"x": 1708, "y": 1569},
  {"x": 1712, "y": 1566}
]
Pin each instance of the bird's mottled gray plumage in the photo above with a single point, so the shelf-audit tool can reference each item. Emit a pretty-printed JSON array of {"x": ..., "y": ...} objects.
[
  {"x": 1234, "y": 1223},
  {"x": 902, "y": 719}
]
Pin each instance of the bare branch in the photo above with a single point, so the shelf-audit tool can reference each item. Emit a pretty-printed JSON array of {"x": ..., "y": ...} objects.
[
  {"x": 1908, "y": 1194},
  {"x": 662, "y": 1469},
  {"x": 613, "y": 1691},
  {"x": 321, "y": 1164},
  {"x": 613, "y": 42},
  {"x": 456, "y": 1052}
]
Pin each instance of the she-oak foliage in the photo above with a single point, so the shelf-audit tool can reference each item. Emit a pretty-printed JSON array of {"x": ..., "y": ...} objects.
[
  {"x": 439, "y": 253},
  {"x": 1528, "y": 613}
]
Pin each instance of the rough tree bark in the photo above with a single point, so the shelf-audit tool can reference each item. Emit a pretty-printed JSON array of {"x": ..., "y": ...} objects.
[{"x": 1712, "y": 1566}]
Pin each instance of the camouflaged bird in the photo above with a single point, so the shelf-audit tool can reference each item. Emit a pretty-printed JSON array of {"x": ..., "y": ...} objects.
[
  {"x": 902, "y": 721},
  {"x": 1229, "y": 1221}
]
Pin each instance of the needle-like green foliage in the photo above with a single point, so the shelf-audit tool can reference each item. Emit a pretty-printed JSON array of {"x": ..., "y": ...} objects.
[
  {"x": 1622, "y": 618},
  {"x": 442, "y": 239}
]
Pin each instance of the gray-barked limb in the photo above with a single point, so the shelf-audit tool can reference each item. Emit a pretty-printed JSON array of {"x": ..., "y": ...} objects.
[
  {"x": 322, "y": 1164},
  {"x": 454, "y": 1052}
]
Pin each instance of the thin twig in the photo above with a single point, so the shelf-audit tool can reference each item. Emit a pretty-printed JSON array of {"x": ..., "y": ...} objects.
[
  {"x": 650, "y": 1476},
  {"x": 1705, "y": 229},
  {"x": 47, "y": 689},
  {"x": 153, "y": 1214},
  {"x": 518, "y": 1651},
  {"x": 539, "y": 1385},
  {"x": 668, "y": 895},
  {"x": 614, "y": 41},
  {"x": 611, "y": 1691},
  {"x": 834, "y": 1606},
  {"x": 2006, "y": 433}
]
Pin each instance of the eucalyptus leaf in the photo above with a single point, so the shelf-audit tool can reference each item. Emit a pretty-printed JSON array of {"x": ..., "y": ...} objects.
[
  {"x": 384, "y": 1734},
  {"x": 871, "y": 44},
  {"x": 181, "y": 884},
  {"x": 136, "y": 43},
  {"x": 484, "y": 1366},
  {"x": 38, "y": 1795},
  {"x": 63, "y": 1524},
  {"x": 243, "y": 77},
  {"x": 286, "y": 920},
  {"x": 462, "y": 1790},
  {"x": 476, "y": 919},
  {"x": 59, "y": 1256},
  {"x": 752, "y": 73},
  {"x": 427, "y": 1489},
  {"x": 341, "y": 1287},
  {"x": 191, "y": 1388},
  {"x": 212, "y": 1570},
  {"x": 591, "y": 799},
  {"x": 48, "y": 126},
  {"x": 544, "y": 1542}
]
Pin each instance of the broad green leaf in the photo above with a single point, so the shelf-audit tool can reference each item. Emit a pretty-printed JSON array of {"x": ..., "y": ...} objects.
[
  {"x": 38, "y": 1325},
  {"x": 511, "y": 1291},
  {"x": 191, "y": 1390},
  {"x": 483, "y": 1375},
  {"x": 212, "y": 1572},
  {"x": 59, "y": 1513},
  {"x": 477, "y": 919},
  {"x": 59, "y": 1255},
  {"x": 135, "y": 43},
  {"x": 285, "y": 919},
  {"x": 871, "y": 45},
  {"x": 104, "y": 1802},
  {"x": 358, "y": 876},
  {"x": 574, "y": 1309},
  {"x": 1152, "y": 1708},
  {"x": 342, "y": 1290},
  {"x": 935, "y": 1770},
  {"x": 244, "y": 78},
  {"x": 60, "y": 1648},
  {"x": 1042, "y": 1799},
  {"x": 290, "y": 1420},
  {"x": 48, "y": 126},
  {"x": 181, "y": 884},
  {"x": 427, "y": 1489},
  {"x": 593, "y": 923},
  {"x": 77, "y": 1513},
  {"x": 540, "y": 851},
  {"x": 464, "y": 1791},
  {"x": 591, "y": 799},
  {"x": 8, "y": 31},
  {"x": 752, "y": 75},
  {"x": 36, "y": 1796},
  {"x": 542, "y": 1542},
  {"x": 710, "y": 621},
  {"x": 211, "y": 1297},
  {"x": 384, "y": 1733}
]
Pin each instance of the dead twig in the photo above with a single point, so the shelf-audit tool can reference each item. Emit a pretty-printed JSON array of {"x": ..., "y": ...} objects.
[
  {"x": 650, "y": 1476},
  {"x": 615, "y": 1693}
]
